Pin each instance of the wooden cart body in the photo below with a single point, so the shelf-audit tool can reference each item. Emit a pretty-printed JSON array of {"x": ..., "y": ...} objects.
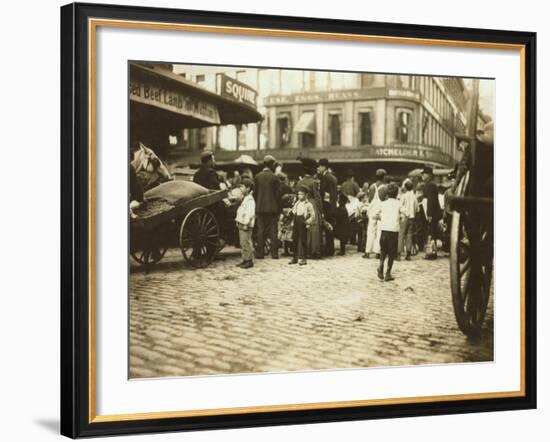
[{"x": 193, "y": 225}]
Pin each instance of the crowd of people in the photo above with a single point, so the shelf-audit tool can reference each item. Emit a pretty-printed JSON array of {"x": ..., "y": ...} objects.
[{"x": 387, "y": 220}]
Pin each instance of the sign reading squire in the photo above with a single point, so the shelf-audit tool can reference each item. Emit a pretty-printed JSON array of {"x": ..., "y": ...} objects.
[{"x": 237, "y": 91}]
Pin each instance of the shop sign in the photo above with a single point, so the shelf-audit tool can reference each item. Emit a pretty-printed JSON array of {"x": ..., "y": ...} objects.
[
  {"x": 237, "y": 91},
  {"x": 320, "y": 97},
  {"x": 409, "y": 152},
  {"x": 173, "y": 101}
]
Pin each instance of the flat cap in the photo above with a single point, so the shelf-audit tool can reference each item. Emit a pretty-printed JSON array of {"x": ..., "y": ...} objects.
[
  {"x": 381, "y": 172},
  {"x": 269, "y": 159}
]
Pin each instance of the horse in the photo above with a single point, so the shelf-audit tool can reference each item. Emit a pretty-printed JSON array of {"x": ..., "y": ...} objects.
[{"x": 150, "y": 170}]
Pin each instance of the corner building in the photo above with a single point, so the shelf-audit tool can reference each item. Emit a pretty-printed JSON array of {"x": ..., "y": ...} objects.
[
  {"x": 398, "y": 122},
  {"x": 359, "y": 121}
]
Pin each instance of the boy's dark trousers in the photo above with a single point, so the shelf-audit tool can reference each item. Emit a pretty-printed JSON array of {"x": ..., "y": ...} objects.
[
  {"x": 329, "y": 236},
  {"x": 362, "y": 240},
  {"x": 267, "y": 223},
  {"x": 343, "y": 242},
  {"x": 299, "y": 235}
]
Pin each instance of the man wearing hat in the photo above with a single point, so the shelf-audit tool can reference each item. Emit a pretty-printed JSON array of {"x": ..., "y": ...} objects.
[
  {"x": 328, "y": 186},
  {"x": 206, "y": 176},
  {"x": 433, "y": 210},
  {"x": 268, "y": 197},
  {"x": 375, "y": 196}
]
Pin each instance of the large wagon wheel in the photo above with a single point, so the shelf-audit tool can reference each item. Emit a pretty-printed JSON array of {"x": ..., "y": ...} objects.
[
  {"x": 471, "y": 266},
  {"x": 199, "y": 237},
  {"x": 149, "y": 255}
]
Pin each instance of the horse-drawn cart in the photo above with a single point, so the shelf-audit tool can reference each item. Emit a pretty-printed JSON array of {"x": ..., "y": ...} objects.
[
  {"x": 472, "y": 227},
  {"x": 178, "y": 214}
]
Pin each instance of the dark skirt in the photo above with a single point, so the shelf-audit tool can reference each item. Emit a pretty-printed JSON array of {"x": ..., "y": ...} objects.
[{"x": 343, "y": 225}]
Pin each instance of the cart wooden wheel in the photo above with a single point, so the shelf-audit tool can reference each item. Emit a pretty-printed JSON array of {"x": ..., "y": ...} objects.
[
  {"x": 471, "y": 266},
  {"x": 150, "y": 255},
  {"x": 199, "y": 237}
]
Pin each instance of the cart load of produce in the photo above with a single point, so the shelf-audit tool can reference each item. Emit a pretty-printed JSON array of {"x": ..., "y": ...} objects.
[{"x": 167, "y": 195}]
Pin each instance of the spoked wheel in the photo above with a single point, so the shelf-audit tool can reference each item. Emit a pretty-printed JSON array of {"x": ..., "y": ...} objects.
[
  {"x": 471, "y": 267},
  {"x": 150, "y": 255},
  {"x": 199, "y": 237}
]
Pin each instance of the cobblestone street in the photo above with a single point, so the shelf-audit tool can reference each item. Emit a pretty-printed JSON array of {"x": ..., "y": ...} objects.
[{"x": 332, "y": 313}]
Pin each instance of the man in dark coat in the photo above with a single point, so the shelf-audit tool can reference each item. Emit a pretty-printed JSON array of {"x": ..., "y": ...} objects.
[
  {"x": 268, "y": 200},
  {"x": 206, "y": 176},
  {"x": 328, "y": 185},
  {"x": 433, "y": 208}
]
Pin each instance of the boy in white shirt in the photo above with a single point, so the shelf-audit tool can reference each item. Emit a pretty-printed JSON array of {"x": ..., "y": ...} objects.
[
  {"x": 409, "y": 207},
  {"x": 246, "y": 215},
  {"x": 389, "y": 226}
]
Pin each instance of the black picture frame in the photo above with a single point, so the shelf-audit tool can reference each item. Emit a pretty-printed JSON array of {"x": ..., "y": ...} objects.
[{"x": 75, "y": 220}]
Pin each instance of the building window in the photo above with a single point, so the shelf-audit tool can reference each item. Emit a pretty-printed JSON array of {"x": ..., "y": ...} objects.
[
  {"x": 284, "y": 130},
  {"x": 307, "y": 140},
  {"x": 334, "y": 129},
  {"x": 199, "y": 79},
  {"x": 425, "y": 126},
  {"x": 241, "y": 136},
  {"x": 404, "y": 126},
  {"x": 305, "y": 127},
  {"x": 365, "y": 128}
]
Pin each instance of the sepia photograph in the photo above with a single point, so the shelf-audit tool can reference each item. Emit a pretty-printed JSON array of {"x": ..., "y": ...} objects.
[{"x": 285, "y": 220}]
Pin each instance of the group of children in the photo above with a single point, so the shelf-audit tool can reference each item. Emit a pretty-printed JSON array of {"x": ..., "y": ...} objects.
[{"x": 302, "y": 214}]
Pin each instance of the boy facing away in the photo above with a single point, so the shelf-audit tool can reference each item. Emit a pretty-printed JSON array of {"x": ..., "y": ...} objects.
[
  {"x": 389, "y": 225},
  {"x": 246, "y": 214}
]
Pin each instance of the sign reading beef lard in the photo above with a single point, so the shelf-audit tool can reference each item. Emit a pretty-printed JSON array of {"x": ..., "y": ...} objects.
[
  {"x": 170, "y": 100},
  {"x": 237, "y": 91}
]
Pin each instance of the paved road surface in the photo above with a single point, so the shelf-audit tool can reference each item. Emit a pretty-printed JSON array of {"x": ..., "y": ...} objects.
[{"x": 332, "y": 313}]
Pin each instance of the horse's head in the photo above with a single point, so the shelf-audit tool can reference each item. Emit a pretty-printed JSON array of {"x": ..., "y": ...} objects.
[{"x": 150, "y": 167}]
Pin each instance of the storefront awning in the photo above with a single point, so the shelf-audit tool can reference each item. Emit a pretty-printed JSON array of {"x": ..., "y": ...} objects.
[
  {"x": 306, "y": 123},
  {"x": 159, "y": 95}
]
